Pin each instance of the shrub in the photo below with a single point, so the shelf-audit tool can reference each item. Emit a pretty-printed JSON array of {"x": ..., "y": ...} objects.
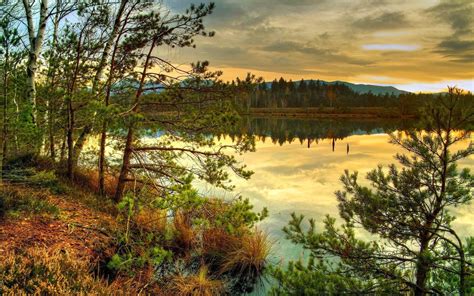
[
  {"x": 185, "y": 235},
  {"x": 34, "y": 176},
  {"x": 137, "y": 247},
  {"x": 150, "y": 220},
  {"x": 234, "y": 215},
  {"x": 217, "y": 244},
  {"x": 44, "y": 179},
  {"x": 21, "y": 161}
]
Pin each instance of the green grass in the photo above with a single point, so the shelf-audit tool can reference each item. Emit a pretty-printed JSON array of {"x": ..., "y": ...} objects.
[{"x": 15, "y": 204}]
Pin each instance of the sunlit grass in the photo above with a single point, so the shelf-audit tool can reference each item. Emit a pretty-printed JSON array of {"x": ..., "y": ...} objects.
[
  {"x": 37, "y": 271},
  {"x": 199, "y": 284},
  {"x": 250, "y": 257}
]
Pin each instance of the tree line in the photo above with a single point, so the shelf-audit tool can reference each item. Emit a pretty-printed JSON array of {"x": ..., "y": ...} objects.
[{"x": 283, "y": 93}]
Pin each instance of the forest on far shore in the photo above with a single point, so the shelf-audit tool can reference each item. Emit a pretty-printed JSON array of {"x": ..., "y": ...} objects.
[{"x": 319, "y": 96}]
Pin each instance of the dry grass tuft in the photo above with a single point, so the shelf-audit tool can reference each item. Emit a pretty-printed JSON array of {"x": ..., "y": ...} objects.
[
  {"x": 217, "y": 244},
  {"x": 249, "y": 258},
  {"x": 151, "y": 220},
  {"x": 185, "y": 234},
  {"x": 196, "y": 285}
]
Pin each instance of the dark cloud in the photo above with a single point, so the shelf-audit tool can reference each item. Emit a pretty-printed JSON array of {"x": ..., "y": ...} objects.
[
  {"x": 459, "y": 14},
  {"x": 292, "y": 2},
  {"x": 457, "y": 50},
  {"x": 247, "y": 13},
  {"x": 314, "y": 54},
  {"x": 386, "y": 20}
]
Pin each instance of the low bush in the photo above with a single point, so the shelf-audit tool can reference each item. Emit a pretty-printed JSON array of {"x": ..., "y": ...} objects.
[
  {"x": 39, "y": 176},
  {"x": 136, "y": 247},
  {"x": 185, "y": 235}
]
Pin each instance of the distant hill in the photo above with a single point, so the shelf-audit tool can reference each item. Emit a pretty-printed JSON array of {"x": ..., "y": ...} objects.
[
  {"x": 363, "y": 88},
  {"x": 375, "y": 89}
]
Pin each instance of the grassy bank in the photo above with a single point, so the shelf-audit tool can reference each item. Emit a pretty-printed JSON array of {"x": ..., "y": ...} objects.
[{"x": 60, "y": 238}]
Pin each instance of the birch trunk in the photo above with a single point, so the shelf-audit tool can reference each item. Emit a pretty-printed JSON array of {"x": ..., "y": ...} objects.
[
  {"x": 5, "y": 112},
  {"x": 36, "y": 41}
]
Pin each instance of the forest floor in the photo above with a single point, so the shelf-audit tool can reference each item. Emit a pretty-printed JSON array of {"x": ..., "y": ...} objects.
[
  {"x": 67, "y": 223},
  {"x": 56, "y": 239}
]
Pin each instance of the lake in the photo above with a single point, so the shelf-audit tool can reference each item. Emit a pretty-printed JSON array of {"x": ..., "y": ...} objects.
[{"x": 297, "y": 165}]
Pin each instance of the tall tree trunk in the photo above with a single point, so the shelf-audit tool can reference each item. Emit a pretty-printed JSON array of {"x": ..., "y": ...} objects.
[
  {"x": 51, "y": 74},
  {"x": 70, "y": 140},
  {"x": 103, "y": 138},
  {"x": 36, "y": 42},
  {"x": 130, "y": 135},
  {"x": 125, "y": 164},
  {"x": 72, "y": 159},
  {"x": 5, "y": 113},
  {"x": 103, "y": 135},
  {"x": 62, "y": 154},
  {"x": 422, "y": 268},
  {"x": 52, "y": 148},
  {"x": 99, "y": 72},
  {"x": 17, "y": 117},
  {"x": 108, "y": 47}
]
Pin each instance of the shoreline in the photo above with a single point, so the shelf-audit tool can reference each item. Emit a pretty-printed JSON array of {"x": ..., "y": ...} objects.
[{"x": 358, "y": 113}]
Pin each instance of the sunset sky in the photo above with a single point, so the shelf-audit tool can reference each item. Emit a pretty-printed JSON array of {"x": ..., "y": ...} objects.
[{"x": 420, "y": 45}]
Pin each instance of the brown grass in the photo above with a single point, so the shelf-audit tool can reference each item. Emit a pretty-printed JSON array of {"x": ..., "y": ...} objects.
[
  {"x": 196, "y": 285},
  {"x": 41, "y": 272},
  {"x": 217, "y": 244},
  {"x": 243, "y": 255},
  {"x": 151, "y": 220},
  {"x": 89, "y": 179},
  {"x": 185, "y": 234},
  {"x": 249, "y": 258}
]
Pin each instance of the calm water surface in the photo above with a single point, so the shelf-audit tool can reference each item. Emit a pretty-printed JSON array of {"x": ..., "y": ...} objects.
[{"x": 292, "y": 177}]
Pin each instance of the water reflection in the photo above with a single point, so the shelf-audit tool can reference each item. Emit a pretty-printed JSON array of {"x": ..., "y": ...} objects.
[
  {"x": 310, "y": 131},
  {"x": 289, "y": 177}
]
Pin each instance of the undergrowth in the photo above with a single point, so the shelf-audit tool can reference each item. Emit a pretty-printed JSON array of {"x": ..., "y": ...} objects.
[
  {"x": 42, "y": 272},
  {"x": 20, "y": 203},
  {"x": 177, "y": 244}
]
